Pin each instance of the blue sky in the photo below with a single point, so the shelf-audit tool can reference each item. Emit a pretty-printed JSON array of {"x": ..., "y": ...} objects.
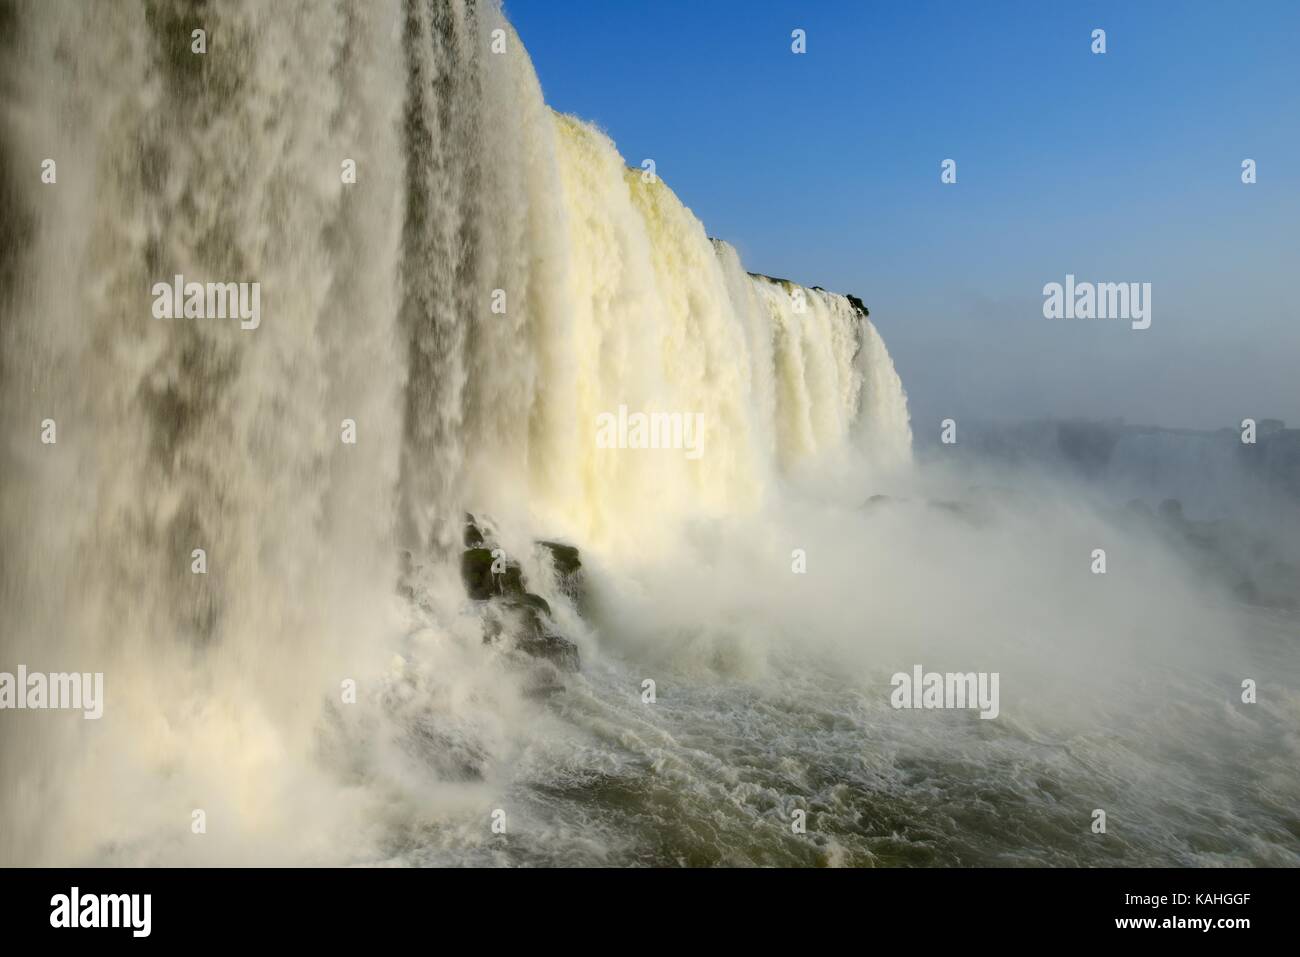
[{"x": 824, "y": 168}]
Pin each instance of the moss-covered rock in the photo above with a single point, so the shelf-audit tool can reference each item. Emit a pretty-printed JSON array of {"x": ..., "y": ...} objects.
[
  {"x": 487, "y": 574},
  {"x": 491, "y": 576}
]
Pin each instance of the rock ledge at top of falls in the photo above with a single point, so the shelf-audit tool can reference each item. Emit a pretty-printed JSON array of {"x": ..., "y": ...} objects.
[
  {"x": 509, "y": 607},
  {"x": 854, "y": 301}
]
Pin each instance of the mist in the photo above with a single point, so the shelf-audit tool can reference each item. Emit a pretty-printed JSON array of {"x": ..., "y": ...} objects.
[{"x": 371, "y": 581}]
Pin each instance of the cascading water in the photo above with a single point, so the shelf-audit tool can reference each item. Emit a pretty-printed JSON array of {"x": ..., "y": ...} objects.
[
  {"x": 182, "y": 434},
  {"x": 493, "y": 282},
  {"x": 174, "y": 435}
]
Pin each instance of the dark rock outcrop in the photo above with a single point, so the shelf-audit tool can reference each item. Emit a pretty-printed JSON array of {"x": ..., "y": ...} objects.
[
  {"x": 487, "y": 574},
  {"x": 565, "y": 557},
  {"x": 492, "y": 577},
  {"x": 568, "y": 573},
  {"x": 473, "y": 537}
]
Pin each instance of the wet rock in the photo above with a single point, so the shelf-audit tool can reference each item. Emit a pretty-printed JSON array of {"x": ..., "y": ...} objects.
[
  {"x": 556, "y": 649},
  {"x": 537, "y": 636},
  {"x": 488, "y": 574},
  {"x": 476, "y": 572},
  {"x": 536, "y": 602},
  {"x": 568, "y": 572},
  {"x": 473, "y": 536},
  {"x": 528, "y": 619},
  {"x": 560, "y": 651},
  {"x": 491, "y": 576},
  {"x": 565, "y": 557}
]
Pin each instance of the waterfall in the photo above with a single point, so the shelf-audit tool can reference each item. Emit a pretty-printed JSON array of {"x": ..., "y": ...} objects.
[{"x": 493, "y": 281}]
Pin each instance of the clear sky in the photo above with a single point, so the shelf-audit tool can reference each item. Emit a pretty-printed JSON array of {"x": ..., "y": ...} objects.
[{"x": 1122, "y": 167}]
